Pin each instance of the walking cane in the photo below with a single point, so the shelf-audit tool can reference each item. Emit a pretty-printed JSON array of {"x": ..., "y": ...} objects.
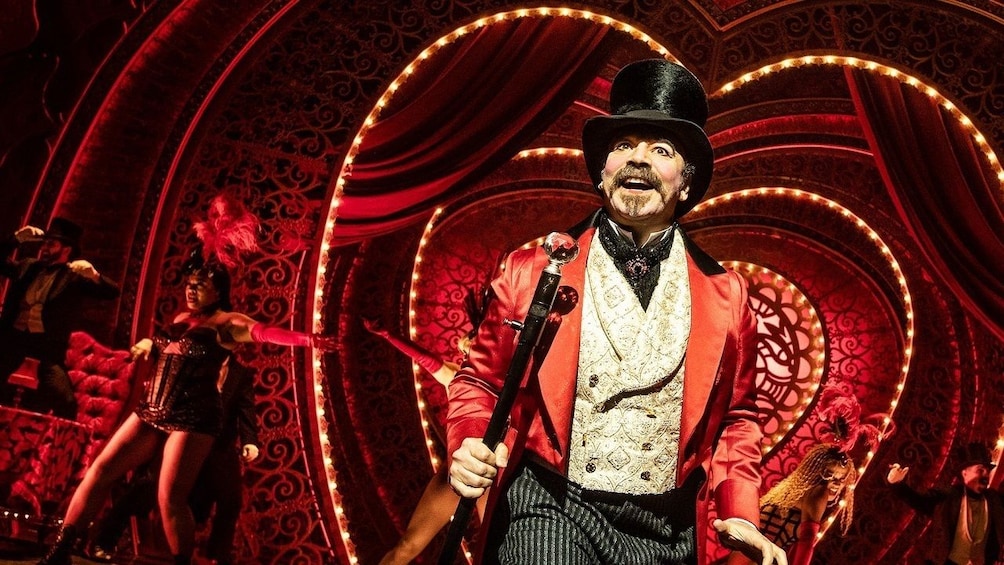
[{"x": 561, "y": 249}]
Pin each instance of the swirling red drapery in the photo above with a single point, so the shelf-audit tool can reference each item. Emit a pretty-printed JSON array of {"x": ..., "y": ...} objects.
[
  {"x": 443, "y": 130},
  {"x": 938, "y": 179}
]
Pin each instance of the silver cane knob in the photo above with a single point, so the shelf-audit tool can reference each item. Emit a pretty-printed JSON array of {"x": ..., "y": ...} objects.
[{"x": 561, "y": 248}]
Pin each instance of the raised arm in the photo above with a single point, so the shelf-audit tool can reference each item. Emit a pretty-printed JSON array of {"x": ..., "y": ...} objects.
[
  {"x": 8, "y": 267},
  {"x": 442, "y": 371},
  {"x": 244, "y": 329},
  {"x": 924, "y": 502},
  {"x": 94, "y": 283}
]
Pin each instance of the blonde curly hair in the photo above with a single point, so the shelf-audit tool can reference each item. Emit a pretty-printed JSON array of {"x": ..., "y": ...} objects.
[{"x": 810, "y": 473}]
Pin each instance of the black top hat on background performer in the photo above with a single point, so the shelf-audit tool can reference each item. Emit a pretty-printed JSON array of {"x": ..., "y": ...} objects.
[
  {"x": 65, "y": 231},
  {"x": 975, "y": 454}
]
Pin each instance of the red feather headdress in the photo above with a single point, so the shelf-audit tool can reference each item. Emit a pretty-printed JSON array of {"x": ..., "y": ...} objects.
[
  {"x": 841, "y": 414},
  {"x": 230, "y": 232}
]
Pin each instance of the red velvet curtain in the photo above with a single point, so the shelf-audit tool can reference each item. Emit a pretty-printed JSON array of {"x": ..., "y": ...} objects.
[
  {"x": 938, "y": 179},
  {"x": 468, "y": 110}
]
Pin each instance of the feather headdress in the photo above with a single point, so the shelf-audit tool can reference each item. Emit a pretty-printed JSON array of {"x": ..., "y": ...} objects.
[
  {"x": 841, "y": 414},
  {"x": 229, "y": 233}
]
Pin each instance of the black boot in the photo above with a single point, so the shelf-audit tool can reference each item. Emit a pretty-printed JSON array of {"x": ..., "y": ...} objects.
[{"x": 59, "y": 553}]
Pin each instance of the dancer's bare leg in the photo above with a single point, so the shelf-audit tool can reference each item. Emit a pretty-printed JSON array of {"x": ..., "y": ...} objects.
[
  {"x": 132, "y": 444},
  {"x": 184, "y": 454},
  {"x": 431, "y": 515}
]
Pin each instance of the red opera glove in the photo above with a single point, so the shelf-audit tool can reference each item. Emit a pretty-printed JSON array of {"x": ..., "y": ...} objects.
[
  {"x": 801, "y": 551},
  {"x": 424, "y": 358},
  {"x": 263, "y": 333},
  {"x": 375, "y": 327}
]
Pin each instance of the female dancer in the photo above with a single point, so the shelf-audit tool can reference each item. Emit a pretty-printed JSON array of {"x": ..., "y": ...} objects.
[
  {"x": 792, "y": 513},
  {"x": 182, "y": 406}
]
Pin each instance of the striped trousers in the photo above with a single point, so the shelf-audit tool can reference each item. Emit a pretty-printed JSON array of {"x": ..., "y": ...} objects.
[{"x": 545, "y": 519}]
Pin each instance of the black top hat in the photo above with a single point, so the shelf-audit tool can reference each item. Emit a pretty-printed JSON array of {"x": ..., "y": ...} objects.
[
  {"x": 65, "y": 231},
  {"x": 661, "y": 94},
  {"x": 975, "y": 454}
]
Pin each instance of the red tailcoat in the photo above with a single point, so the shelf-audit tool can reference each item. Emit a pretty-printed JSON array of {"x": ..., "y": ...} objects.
[{"x": 719, "y": 431}]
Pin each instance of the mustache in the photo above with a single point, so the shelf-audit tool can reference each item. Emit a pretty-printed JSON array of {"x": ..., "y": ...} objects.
[{"x": 632, "y": 171}]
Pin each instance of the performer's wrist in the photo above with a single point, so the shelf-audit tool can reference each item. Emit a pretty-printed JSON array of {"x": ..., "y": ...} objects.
[{"x": 743, "y": 520}]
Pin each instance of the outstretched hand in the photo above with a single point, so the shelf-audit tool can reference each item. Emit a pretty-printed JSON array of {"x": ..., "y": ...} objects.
[
  {"x": 84, "y": 269},
  {"x": 740, "y": 535},
  {"x": 324, "y": 342},
  {"x": 896, "y": 473},
  {"x": 374, "y": 326}
]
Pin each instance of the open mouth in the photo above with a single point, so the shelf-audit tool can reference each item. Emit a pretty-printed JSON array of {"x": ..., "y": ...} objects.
[
  {"x": 635, "y": 183},
  {"x": 638, "y": 179}
]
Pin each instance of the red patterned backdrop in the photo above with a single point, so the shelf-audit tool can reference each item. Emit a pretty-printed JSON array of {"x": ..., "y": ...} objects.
[{"x": 150, "y": 109}]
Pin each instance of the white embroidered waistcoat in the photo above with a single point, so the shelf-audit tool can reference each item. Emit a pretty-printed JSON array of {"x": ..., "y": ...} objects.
[{"x": 629, "y": 390}]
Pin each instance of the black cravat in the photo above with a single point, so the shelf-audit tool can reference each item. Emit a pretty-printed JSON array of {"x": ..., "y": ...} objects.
[{"x": 640, "y": 265}]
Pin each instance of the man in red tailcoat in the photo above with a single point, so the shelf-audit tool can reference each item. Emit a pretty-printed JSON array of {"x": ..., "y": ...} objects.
[{"x": 641, "y": 412}]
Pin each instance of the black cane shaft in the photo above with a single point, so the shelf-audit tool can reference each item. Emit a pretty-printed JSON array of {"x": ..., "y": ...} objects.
[
  {"x": 458, "y": 527},
  {"x": 529, "y": 336}
]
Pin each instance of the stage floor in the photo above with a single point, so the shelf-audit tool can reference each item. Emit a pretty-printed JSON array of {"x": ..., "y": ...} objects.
[{"x": 17, "y": 552}]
